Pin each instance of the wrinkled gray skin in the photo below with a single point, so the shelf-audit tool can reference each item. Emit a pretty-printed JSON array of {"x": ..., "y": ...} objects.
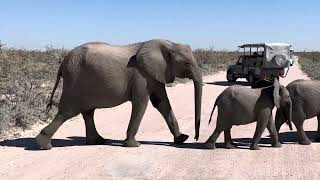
[
  {"x": 239, "y": 105},
  {"x": 99, "y": 75},
  {"x": 305, "y": 96}
]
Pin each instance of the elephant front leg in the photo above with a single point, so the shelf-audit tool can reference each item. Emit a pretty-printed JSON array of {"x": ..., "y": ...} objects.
[
  {"x": 92, "y": 136},
  {"x": 139, "y": 106},
  {"x": 273, "y": 133},
  {"x": 161, "y": 102}
]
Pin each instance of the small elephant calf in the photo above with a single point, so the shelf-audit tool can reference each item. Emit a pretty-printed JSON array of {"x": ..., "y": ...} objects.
[{"x": 239, "y": 105}]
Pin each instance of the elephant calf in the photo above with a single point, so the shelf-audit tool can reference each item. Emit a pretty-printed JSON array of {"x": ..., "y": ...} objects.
[
  {"x": 239, "y": 105},
  {"x": 305, "y": 96}
]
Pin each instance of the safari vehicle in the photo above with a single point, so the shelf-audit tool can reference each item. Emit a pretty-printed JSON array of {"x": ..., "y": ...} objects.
[{"x": 261, "y": 61}]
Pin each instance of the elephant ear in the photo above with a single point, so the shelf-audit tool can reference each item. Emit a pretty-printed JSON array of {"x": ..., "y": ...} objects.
[
  {"x": 154, "y": 58},
  {"x": 276, "y": 92}
]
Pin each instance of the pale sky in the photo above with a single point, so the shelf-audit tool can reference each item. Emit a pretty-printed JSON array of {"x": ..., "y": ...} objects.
[{"x": 223, "y": 24}]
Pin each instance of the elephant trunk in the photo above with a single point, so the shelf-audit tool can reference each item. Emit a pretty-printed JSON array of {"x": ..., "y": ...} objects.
[
  {"x": 197, "y": 81},
  {"x": 279, "y": 119},
  {"x": 289, "y": 120}
]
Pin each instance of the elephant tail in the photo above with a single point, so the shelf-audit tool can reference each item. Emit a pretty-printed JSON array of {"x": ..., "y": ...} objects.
[
  {"x": 215, "y": 104},
  {"x": 59, "y": 75}
]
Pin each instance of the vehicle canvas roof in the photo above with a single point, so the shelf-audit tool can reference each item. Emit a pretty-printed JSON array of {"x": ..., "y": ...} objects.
[{"x": 264, "y": 44}]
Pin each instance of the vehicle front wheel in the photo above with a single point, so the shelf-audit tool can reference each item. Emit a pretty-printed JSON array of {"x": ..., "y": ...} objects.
[{"x": 231, "y": 78}]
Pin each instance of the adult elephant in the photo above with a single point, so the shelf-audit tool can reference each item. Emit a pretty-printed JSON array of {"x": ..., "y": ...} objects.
[
  {"x": 305, "y": 96},
  {"x": 99, "y": 75}
]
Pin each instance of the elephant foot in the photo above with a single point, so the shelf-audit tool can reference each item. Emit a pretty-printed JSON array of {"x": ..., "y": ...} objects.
[
  {"x": 43, "y": 141},
  {"x": 181, "y": 139},
  {"x": 95, "y": 140},
  {"x": 210, "y": 145},
  {"x": 305, "y": 142},
  {"x": 255, "y": 147},
  {"x": 277, "y": 145},
  {"x": 230, "y": 146},
  {"x": 131, "y": 143}
]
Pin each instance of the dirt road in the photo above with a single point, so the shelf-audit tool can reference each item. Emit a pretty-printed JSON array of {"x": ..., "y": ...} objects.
[{"x": 70, "y": 158}]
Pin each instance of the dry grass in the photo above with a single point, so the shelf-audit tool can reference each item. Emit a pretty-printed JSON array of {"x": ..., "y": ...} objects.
[
  {"x": 212, "y": 61},
  {"x": 27, "y": 78},
  {"x": 310, "y": 63}
]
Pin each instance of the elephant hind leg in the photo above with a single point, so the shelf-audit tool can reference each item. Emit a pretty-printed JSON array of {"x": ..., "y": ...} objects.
[
  {"x": 302, "y": 137},
  {"x": 92, "y": 136},
  {"x": 211, "y": 142},
  {"x": 227, "y": 139},
  {"x": 318, "y": 118},
  {"x": 43, "y": 139},
  {"x": 318, "y": 136}
]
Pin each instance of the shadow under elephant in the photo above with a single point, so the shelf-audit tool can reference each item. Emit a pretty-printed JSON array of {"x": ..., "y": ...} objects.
[
  {"x": 241, "y": 143},
  {"x": 227, "y": 83},
  {"x": 30, "y": 143},
  {"x": 258, "y": 84},
  {"x": 284, "y": 137}
]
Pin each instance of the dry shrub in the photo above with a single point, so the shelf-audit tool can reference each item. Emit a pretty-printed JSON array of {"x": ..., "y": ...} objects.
[
  {"x": 26, "y": 80},
  {"x": 310, "y": 63},
  {"x": 211, "y": 61}
]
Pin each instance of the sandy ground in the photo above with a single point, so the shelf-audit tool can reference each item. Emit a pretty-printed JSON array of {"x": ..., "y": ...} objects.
[{"x": 157, "y": 157}]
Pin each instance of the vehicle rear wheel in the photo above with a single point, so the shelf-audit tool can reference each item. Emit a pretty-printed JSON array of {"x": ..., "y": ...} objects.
[
  {"x": 250, "y": 78},
  {"x": 230, "y": 77}
]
